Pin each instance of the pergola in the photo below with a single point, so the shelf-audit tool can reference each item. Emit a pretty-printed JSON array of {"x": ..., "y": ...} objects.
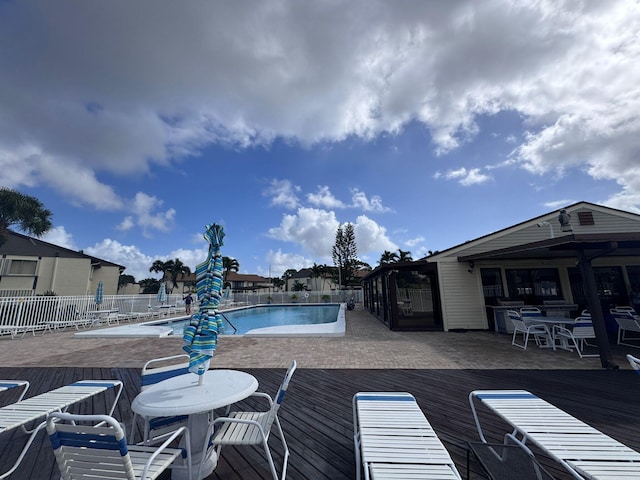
[{"x": 584, "y": 249}]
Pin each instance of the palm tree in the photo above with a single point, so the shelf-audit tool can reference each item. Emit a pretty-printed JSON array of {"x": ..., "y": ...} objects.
[
  {"x": 388, "y": 257},
  {"x": 170, "y": 269},
  {"x": 160, "y": 267},
  {"x": 317, "y": 271},
  {"x": 404, "y": 256},
  {"x": 229, "y": 265},
  {"x": 27, "y": 212}
]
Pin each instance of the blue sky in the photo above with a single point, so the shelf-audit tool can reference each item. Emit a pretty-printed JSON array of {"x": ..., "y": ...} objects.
[{"x": 425, "y": 124}]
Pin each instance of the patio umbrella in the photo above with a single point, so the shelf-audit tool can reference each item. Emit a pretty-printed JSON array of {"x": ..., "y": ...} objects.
[
  {"x": 162, "y": 293},
  {"x": 201, "y": 334},
  {"x": 99, "y": 294}
]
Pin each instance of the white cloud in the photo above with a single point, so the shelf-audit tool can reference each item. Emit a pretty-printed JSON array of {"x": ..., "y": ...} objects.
[
  {"x": 464, "y": 176},
  {"x": 59, "y": 236},
  {"x": 94, "y": 102},
  {"x": 373, "y": 204},
  {"x": 280, "y": 262},
  {"x": 371, "y": 237},
  {"x": 282, "y": 193},
  {"x": 312, "y": 228},
  {"x": 145, "y": 215},
  {"x": 129, "y": 256},
  {"x": 413, "y": 242},
  {"x": 323, "y": 198}
]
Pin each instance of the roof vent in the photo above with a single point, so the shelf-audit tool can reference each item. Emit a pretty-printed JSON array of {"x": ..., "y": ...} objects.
[{"x": 586, "y": 218}]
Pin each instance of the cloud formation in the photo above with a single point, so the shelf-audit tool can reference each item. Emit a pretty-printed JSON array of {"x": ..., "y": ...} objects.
[{"x": 151, "y": 95}]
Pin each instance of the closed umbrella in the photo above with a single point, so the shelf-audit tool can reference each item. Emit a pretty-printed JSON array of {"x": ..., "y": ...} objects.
[
  {"x": 162, "y": 293},
  {"x": 99, "y": 294},
  {"x": 201, "y": 334}
]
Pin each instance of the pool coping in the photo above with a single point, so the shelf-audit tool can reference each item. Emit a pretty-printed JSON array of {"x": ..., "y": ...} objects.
[{"x": 153, "y": 330}]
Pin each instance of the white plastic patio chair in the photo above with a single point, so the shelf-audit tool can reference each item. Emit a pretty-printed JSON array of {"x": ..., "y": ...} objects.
[
  {"x": 252, "y": 428},
  {"x": 540, "y": 332},
  {"x": 578, "y": 334},
  {"x": 101, "y": 451},
  {"x": 627, "y": 322},
  {"x": 154, "y": 371}
]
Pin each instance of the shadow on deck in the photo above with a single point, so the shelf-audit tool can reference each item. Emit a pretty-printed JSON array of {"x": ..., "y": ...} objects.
[{"x": 317, "y": 417}]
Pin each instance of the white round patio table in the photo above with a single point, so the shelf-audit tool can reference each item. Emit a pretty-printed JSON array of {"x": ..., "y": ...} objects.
[{"x": 184, "y": 395}]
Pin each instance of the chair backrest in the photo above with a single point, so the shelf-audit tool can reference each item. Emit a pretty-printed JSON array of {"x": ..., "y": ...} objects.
[
  {"x": 169, "y": 367},
  {"x": 75, "y": 445},
  {"x": 530, "y": 312},
  {"x": 583, "y": 328},
  {"x": 625, "y": 312},
  {"x": 516, "y": 319},
  {"x": 277, "y": 401}
]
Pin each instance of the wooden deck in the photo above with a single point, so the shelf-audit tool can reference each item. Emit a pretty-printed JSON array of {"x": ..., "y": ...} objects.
[{"x": 317, "y": 416}]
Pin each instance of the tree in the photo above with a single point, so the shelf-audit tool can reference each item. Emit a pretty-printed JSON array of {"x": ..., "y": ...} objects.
[
  {"x": 287, "y": 275},
  {"x": 345, "y": 253},
  {"x": 277, "y": 283},
  {"x": 124, "y": 280},
  {"x": 388, "y": 257},
  {"x": 404, "y": 256},
  {"x": 150, "y": 285},
  {"x": 27, "y": 212},
  {"x": 170, "y": 269},
  {"x": 229, "y": 265},
  {"x": 317, "y": 271}
]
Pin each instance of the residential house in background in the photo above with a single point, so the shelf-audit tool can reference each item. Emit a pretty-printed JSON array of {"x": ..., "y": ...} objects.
[
  {"x": 29, "y": 266},
  {"x": 241, "y": 282}
]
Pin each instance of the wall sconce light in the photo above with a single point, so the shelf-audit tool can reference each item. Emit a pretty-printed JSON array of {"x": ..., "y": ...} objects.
[{"x": 471, "y": 265}]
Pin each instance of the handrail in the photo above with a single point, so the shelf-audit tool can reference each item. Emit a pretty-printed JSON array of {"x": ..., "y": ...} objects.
[{"x": 229, "y": 322}]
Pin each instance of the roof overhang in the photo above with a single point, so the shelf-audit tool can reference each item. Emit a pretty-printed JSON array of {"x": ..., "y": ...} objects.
[{"x": 591, "y": 245}]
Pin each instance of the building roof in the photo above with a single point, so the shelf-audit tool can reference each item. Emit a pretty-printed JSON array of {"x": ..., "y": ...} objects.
[
  {"x": 463, "y": 246},
  {"x": 23, "y": 245},
  {"x": 245, "y": 277}
]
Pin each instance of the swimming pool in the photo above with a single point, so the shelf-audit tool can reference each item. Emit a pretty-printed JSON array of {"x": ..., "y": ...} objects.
[
  {"x": 262, "y": 320},
  {"x": 247, "y": 321}
]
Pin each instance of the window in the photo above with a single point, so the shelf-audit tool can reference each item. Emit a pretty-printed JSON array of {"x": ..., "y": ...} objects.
[
  {"x": 534, "y": 285},
  {"x": 491, "y": 283},
  {"x": 23, "y": 267},
  {"x": 609, "y": 281}
]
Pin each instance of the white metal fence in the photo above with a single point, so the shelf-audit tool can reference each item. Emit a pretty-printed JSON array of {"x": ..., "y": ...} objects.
[
  {"x": 21, "y": 314},
  {"x": 32, "y": 313}
]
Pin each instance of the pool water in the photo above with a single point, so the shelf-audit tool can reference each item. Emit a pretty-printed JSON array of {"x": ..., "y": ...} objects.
[{"x": 247, "y": 319}]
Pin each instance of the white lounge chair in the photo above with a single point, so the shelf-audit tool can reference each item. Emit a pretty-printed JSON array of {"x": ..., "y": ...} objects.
[
  {"x": 584, "y": 451},
  {"x": 394, "y": 440},
  {"x": 154, "y": 371},
  {"x": 252, "y": 428},
  {"x": 578, "y": 334},
  {"x": 101, "y": 451},
  {"x": 36, "y": 408}
]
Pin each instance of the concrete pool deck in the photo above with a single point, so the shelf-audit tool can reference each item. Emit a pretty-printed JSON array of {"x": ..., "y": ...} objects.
[{"x": 367, "y": 344}]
